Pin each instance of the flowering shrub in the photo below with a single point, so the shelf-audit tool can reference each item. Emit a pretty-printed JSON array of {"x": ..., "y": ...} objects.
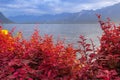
[{"x": 39, "y": 58}]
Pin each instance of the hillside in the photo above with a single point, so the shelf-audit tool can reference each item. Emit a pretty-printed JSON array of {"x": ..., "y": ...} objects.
[{"x": 3, "y": 19}]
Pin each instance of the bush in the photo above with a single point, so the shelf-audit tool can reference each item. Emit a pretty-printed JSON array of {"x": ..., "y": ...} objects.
[
  {"x": 39, "y": 58},
  {"x": 109, "y": 52}
]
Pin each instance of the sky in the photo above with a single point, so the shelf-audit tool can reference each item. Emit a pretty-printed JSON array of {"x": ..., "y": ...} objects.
[{"x": 41, "y": 7}]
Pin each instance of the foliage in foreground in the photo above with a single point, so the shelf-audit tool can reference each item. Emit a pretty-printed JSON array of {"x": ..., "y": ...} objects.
[{"x": 39, "y": 58}]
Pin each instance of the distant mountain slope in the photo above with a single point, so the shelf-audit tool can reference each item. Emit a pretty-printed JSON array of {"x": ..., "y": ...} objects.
[
  {"x": 85, "y": 16},
  {"x": 3, "y": 19},
  {"x": 112, "y": 12}
]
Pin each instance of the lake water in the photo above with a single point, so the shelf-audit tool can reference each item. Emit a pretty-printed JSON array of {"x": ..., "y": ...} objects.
[{"x": 69, "y": 32}]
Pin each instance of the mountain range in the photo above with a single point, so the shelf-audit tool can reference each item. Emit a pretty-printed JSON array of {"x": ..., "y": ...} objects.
[{"x": 84, "y": 16}]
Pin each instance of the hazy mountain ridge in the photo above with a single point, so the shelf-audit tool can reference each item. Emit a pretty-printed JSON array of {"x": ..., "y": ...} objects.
[
  {"x": 85, "y": 16},
  {"x": 3, "y": 19}
]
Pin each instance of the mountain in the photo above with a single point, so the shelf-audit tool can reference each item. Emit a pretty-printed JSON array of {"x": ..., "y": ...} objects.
[
  {"x": 112, "y": 12},
  {"x": 3, "y": 19},
  {"x": 58, "y": 18},
  {"x": 85, "y": 16}
]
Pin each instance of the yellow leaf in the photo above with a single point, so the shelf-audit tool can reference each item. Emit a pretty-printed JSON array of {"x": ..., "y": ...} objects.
[{"x": 4, "y": 31}]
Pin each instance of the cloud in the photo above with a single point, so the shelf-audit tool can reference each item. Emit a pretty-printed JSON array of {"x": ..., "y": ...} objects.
[
  {"x": 39, "y": 7},
  {"x": 95, "y": 5},
  {"x": 21, "y": 7},
  {"x": 70, "y": 6}
]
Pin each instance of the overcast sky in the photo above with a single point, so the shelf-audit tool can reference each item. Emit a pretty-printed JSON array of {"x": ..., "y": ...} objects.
[{"x": 39, "y": 7}]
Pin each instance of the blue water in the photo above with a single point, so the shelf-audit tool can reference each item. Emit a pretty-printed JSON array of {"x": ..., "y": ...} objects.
[{"x": 69, "y": 32}]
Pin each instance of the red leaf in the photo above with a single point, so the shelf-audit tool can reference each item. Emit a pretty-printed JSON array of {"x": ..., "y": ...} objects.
[{"x": 92, "y": 55}]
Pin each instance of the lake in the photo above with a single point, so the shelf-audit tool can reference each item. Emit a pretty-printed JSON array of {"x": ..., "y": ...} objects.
[{"x": 69, "y": 32}]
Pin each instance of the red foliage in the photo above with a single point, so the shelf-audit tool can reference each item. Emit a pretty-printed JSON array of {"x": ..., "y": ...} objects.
[
  {"x": 109, "y": 53},
  {"x": 106, "y": 65},
  {"x": 39, "y": 58}
]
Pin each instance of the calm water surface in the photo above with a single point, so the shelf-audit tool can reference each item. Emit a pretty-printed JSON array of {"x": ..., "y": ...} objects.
[{"x": 69, "y": 32}]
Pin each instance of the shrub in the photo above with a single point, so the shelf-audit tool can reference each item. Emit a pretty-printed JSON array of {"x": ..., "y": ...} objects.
[
  {"x": 109, "y": 52},
  {"x": 39, "y": 58},
  {"x": 107, "y": 58},
  {"x": 36, "y": 58}
]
